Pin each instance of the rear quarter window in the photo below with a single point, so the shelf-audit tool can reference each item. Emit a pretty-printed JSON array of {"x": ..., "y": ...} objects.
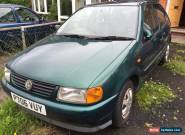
[{"x": 6, "y": 15}]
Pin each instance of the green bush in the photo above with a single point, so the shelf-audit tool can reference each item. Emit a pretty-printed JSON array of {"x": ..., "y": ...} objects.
[
  {"x": 1, "y": 73},
  {"x": 13, "y": 120},
  {"x": 20, "y": 2},
  {"x": 53, "y": 12},
  {"x": 66, "y": 8}
]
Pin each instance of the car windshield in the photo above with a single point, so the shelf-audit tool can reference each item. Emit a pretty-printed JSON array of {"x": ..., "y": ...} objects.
[{"x": 103, "y": 21}]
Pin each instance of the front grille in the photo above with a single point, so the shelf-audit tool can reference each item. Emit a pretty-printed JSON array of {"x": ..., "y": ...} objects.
[{"x": 38, "y": 88}]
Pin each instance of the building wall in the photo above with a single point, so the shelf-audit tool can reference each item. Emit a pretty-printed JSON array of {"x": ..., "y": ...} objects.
[
  {"x": 173, "y": 8},
  {"x": 79, "y": 4},
  {"x": 175, "y": 12},
  {"x": 163, "y": 3}
]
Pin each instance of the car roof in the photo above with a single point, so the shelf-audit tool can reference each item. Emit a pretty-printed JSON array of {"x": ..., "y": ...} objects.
[
  {"x": 125, "y": 2},
  {"x": 10, "y": 5}
]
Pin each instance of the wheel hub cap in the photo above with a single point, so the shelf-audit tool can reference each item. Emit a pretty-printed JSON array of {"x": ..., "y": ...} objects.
[
  {"x": 127, "y": 103},
  {"x": 167, "y": 53}
]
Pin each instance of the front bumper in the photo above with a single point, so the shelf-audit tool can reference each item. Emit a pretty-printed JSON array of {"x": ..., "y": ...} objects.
[{"x": 75, "y": 117}]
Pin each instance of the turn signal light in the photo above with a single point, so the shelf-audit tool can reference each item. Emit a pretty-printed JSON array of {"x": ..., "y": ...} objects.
[{"x": 94, "y": 95}]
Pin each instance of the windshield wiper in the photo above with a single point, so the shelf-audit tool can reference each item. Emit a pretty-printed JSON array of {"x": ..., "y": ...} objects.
[
  {"x": 96, "y": 37},
  {"x": 74, "y": 35},
  {"x": 113, "y": 38}
]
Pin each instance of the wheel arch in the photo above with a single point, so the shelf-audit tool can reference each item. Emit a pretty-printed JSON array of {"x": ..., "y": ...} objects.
[{"x": 135, "y": 80}]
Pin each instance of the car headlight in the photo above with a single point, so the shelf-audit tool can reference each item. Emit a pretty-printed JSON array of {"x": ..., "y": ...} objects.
[
  {"x": 81, "y": 96},
  {"x": 7, "y": 74}
]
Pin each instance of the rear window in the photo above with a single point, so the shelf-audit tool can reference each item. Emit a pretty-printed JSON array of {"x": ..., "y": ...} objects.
[{"x": 6, "y": 15}]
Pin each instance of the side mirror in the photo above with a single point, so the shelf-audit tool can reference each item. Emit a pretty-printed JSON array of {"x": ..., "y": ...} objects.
[{"x": 147, "y": 32}]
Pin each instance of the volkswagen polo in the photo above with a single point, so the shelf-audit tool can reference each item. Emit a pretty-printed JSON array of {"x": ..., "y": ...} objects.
[{"x": 83, "y": 77}]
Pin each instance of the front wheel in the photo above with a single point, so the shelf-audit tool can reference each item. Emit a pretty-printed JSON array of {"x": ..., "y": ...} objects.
[{"x": 123, "y": 105}]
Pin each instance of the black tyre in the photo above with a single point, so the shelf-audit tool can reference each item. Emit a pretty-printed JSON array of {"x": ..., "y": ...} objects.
[{"x": 123, "y": 105}]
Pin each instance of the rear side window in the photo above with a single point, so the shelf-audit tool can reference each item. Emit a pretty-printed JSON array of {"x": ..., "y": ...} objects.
[
  {"x": 6, "y": 15},
  {"x": 159, "y": 14},
  {"x": 26, "y": 16},
  {"x": 149, "y": 20}
]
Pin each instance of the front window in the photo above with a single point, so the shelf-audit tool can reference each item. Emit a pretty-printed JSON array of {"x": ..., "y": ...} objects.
[{"x": 103, "y": 21}]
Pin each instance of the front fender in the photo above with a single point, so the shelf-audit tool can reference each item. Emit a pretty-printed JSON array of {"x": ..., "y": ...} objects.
[{"x": 113, "y": 78}]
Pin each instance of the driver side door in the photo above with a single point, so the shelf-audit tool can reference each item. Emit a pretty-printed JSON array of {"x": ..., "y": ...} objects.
[{"x": 149, "y": 38}]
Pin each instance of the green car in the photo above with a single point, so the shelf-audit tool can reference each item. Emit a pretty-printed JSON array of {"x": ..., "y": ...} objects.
[{"x": 83, "y": 77}]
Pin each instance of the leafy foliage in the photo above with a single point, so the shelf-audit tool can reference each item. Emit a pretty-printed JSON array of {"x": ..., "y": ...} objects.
[
  {"x": 53, "y": 11},
  {"x": 153, "y": 94},
  {"x": 66, "y": 8},
  {"x": 1, "y": 73},
  {"x": 20, "y": 2},
  {"x": 13, "y": 120}
]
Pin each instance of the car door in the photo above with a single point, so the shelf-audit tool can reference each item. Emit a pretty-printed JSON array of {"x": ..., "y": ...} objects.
[
  {"x": 164, "y": 28},
  {"x": 149, "y": 38}
]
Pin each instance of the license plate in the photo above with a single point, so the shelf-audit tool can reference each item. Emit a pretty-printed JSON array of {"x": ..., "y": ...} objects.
[{"x": 36, "y": 107}]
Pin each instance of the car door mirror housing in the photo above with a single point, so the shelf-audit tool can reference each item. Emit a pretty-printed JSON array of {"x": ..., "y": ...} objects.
[{"x": 147, "y": 34}]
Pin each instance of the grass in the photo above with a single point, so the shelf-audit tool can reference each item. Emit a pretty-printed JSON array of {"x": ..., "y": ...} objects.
[
  {"x": 153, "y": 94},
  {"x": 178, "y": 57},
  {"x": 1, "y": 73},
  {"x": 176, "y": 66},
  {"x": 15, "y": 121},
  {"x": 179, "y": 44},
  {"x": 177, "y": 63},
  {"x": 180, "y": 51}
]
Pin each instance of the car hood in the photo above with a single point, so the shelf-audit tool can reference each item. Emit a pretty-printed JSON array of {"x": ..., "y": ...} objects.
[{"x": 67, "y": 61}]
